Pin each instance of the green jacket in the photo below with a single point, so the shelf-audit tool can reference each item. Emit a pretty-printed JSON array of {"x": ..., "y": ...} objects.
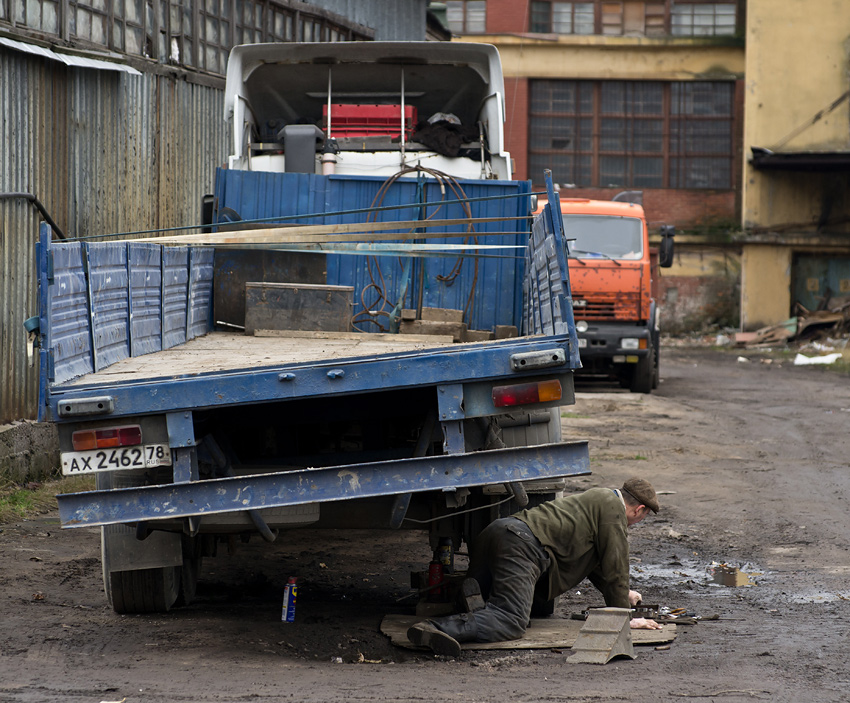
[{"x": 586, "y": 537}]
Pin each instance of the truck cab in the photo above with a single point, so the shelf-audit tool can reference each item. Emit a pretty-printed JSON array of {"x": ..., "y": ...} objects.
[{"x": 611, "y": 270}]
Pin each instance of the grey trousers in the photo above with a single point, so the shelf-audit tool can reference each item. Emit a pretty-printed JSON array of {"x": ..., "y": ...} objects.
[{"x": 506, "y": 560}]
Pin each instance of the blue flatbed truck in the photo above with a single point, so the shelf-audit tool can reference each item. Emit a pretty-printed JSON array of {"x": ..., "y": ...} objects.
[{"x": 197, "y": 433}]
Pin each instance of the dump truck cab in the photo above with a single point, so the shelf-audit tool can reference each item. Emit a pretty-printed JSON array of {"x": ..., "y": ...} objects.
[{"x": 610, "y": 266}]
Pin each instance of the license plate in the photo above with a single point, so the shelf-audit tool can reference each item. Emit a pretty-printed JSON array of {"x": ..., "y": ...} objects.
[
  {"x": 582, "y": 343},
  {"x": 118, "y": 459}
]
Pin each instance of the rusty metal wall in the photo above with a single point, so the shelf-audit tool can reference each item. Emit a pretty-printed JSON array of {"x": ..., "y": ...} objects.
[{"x": 105, "y": 152}]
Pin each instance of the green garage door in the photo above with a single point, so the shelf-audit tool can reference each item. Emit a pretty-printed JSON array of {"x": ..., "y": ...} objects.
[{"x": 817, "y": 278}]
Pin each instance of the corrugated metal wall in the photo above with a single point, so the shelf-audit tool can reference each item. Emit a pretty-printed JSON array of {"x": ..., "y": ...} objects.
[{"x": 105, "y": 152}]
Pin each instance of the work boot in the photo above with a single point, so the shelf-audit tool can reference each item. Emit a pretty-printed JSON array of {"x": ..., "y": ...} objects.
[
  {"x": 425, "y": 634},
  {"x": 469, "y": 598},
  {"x": 444, "y": 635}
]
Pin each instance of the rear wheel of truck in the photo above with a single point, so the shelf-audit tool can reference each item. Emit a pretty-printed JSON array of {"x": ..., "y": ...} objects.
[{"x": 130, "y": 591}]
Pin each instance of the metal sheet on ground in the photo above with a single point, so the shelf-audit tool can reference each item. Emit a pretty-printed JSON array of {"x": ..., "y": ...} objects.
[{"x": 546, "y": 633}]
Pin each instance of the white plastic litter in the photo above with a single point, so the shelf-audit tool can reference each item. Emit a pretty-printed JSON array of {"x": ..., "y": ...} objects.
[{"x": 803, "y": 360}]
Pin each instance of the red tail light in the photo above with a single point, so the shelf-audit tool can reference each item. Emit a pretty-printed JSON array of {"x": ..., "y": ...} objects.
[
  {"x": 526, "y": 393},
  {"x": 107, "y": 437}
]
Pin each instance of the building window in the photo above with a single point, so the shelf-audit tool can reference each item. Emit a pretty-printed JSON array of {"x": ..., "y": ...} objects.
[
  {"x": 713, "y": 19},
  {"x": 467, "y": 16},
  {"x": 249, "y": 21},
  {"x": 41, "y": 16},
  {"x": 651, "y": 18},
  {"x": 562, "y": 17},
  {"x": 641, "y": 134}
]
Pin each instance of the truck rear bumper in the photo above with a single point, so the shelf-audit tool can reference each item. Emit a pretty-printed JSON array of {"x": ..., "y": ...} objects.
[{"x": 333, "y": 483}]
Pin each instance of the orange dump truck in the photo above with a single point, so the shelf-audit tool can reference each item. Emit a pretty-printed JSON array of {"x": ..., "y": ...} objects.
[{"x": 610, "y": 277}]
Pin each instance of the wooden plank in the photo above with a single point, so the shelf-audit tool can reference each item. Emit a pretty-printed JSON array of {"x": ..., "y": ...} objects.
[
  {"x": 298, "y": 306},
  {"x": 442, "y": 315},
  {"x": 435, "y": 339},
  {"x": 477, "y": 336},
  {"x": 544, "y": 633},
  {"x": 365, "y": 231},
  {"x": 505, "y": 332},
  {"x": 456, "y": 329}
]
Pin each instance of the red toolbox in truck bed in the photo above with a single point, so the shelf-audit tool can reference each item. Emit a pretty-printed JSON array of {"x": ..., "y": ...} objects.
[{"x": 369, "y": 120}]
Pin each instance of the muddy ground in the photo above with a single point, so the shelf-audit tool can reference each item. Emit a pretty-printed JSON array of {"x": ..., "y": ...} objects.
[{"x": 753, "y": 462}]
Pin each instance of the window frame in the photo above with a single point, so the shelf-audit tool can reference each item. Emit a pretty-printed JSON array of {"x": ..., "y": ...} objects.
[
  {"x": 681, "y": 149},
  {"x": 617, "y": 17},
  {"x": 463, "y": 27}
]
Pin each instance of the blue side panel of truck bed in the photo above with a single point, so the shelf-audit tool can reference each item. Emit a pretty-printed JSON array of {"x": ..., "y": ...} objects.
[
  {"x": 200, "y": 290},
  {"x": 145, "y": 297},
  {"x": 68, "y": 312},
  {"x": 488, "y": 285},
  {"x": 175, "y": 288},
  {"x": 110, "y": 302}
]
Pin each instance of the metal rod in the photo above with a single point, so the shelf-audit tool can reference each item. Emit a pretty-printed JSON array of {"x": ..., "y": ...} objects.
[{"x": 38, "y": 206}]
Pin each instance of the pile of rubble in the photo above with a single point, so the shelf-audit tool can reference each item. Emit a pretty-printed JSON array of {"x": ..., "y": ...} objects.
[{"x": 832, "y": 322}]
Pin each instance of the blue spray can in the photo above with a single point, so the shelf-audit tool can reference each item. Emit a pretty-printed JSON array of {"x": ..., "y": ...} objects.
[{"x": 290, "y": 592}]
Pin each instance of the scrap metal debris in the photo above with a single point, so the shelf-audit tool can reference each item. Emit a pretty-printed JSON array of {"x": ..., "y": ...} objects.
[{"x": 831, "y": 319}]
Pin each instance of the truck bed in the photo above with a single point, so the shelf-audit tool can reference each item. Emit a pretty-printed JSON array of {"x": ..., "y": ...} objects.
[{"x": 219, "y": 352}]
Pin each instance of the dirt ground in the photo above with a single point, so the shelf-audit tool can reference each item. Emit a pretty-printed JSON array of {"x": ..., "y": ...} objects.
[{"x": 751, "y": 459}]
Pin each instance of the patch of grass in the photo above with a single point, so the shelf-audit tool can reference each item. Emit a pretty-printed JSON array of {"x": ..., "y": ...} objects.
[
  {"x": 640, "y": 457},
  {"x": 21, "y": 502},
  {"x": 579, "y": 416}
]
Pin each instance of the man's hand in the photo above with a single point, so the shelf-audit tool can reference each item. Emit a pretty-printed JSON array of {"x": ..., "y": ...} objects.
[
  {"x": 644, "y": 624},
  {"x": 634, "y": 598}
]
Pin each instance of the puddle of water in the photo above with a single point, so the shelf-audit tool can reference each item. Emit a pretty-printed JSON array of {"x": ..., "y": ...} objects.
[
  {"x": 817, "y": 597},
  {"x": 713, "y": 574},
  {"x": 727, "y": 578}
]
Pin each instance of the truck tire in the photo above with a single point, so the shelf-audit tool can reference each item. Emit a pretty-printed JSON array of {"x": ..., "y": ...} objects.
[
  {"x": 144, "y": 590},
  {"x": 644, "y": 373},
  {"x": 134, "y": 591}
]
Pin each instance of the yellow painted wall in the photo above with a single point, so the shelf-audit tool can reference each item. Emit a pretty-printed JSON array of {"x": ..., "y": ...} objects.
[
  {"x": 765, "y": 285},
  {"x": 797, "y": 55},
  {"x": 623, "y": 58}
]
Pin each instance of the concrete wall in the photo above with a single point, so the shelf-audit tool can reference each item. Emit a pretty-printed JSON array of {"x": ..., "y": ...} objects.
[
  {"x": 29, "y": 451},
  {"x": 797, "y": 63},
  {"x": 796, "y": 101}
]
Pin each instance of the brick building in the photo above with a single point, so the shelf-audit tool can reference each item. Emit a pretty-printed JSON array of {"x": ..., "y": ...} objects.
[{"x": 633, "y": 95}]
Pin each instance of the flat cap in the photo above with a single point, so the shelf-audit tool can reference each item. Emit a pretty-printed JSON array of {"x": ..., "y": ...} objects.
[{"x": 643, "y": 492}]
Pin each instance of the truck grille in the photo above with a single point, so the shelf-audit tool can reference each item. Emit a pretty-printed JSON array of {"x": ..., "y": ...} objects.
[{"x": 602, "y": 306}]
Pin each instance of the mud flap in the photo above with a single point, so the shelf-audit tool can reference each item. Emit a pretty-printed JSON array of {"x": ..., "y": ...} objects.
[{"x": 122, "y": 551}]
